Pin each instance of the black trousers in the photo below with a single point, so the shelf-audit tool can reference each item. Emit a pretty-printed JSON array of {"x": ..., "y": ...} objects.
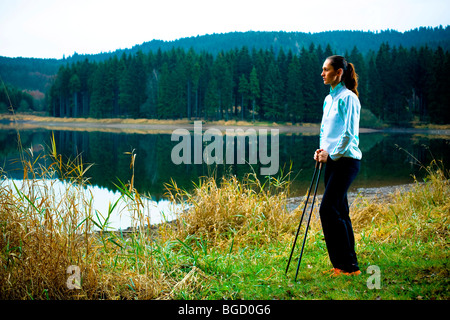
[{"x": 334, "y": 213}]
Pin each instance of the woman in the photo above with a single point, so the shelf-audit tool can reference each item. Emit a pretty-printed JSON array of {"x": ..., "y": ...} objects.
[{"x": 339, "y": 150}]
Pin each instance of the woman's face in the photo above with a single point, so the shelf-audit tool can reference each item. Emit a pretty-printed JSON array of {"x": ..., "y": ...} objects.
[{"x": 329, "y": 75}]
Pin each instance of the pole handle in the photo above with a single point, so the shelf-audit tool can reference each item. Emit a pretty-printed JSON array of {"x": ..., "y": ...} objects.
[{"x": 319, "y": 164}]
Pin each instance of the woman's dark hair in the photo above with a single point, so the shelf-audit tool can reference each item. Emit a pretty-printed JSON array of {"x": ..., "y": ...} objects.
[{"x": 350, "y": 77}]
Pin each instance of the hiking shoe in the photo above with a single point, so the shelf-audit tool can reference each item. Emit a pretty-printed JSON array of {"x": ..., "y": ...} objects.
[
  {"x": 331, "y": 271},
  {"x": 354, "y": 273},
  {"x": 335, "y": 272}
]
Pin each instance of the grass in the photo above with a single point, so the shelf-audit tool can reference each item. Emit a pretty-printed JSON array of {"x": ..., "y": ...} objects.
[{"x": 231, "y": 241}]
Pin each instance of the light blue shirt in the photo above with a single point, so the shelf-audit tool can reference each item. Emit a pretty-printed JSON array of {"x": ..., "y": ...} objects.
[{"x": 339, "y": 131}]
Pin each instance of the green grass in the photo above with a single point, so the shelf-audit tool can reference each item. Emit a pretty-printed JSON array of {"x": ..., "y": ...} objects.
[{"x": 406, "y": 273}]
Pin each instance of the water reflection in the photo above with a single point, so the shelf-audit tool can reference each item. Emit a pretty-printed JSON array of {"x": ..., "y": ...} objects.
[
  {"x": 97, "y": 202},
  {"x": 383, "y": 162}
]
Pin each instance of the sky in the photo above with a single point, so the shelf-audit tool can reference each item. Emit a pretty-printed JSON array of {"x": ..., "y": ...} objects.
[{"x": 57, "y": 28}]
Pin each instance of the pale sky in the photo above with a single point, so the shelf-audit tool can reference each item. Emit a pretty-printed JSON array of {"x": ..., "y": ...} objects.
[{"x": 53, "y": 28}]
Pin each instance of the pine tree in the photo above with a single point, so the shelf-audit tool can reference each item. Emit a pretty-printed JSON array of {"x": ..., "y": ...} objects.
[
  {"x": 439, "y": 111},
  {"x": 357, "y": 59},
  {"x": 244, "y": 92},
  {"x": 254, "y": 91},
  {"x": 75, "y": 86},
  {"x": 102, "y": 104},
  {"x": 310, "y": 72},
  {"x": 294, "y": 91},
  {"x": 126, "y": 90},
  {"x": 374, "y": 89},
  {"x": 85, "y": 71},
  {"x": 189, "y": 62},
  {"x": 272, "y": 93},
  {"x": 164, "y": 108}
]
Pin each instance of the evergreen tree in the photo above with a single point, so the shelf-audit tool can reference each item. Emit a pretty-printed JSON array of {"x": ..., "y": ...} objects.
[
  {"x": 373, "y": 101},
  {"x": 74, "y": 87},
  {"x": 424, "y": 83},
  {"x": 327, "y": 53},
  {"x": 222, "y": 71},
  {"x": 244, "y": 92},
  {"x": 294, "y": 91},
  {"x": 244, "y": 62},
  {"x": 85, "y": 71},
  {"x": 212, "y": 107},
  {"x": 254, "y": 91},
  {"x": 149, "y": 108},
  {"x": 272, "y": 99},
  {"x": 439, "y": 112},
  {"x": 357, "y": 59},
  {"x": 102, "y": 92},
  {"x": 312, "y": 110},
  {"x": 164, "y": 109},
  {"x": 188, "y": 64},
  {"x": 63, "y": 91},
  {"x": 196, "y": 70}
]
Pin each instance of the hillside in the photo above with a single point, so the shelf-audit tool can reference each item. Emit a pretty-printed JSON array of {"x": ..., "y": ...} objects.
[
  {"x": 35, "y": 74},
  {"x": 341, "y": 41}
]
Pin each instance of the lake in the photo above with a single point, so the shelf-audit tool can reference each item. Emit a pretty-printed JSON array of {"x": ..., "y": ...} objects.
[{"x": 389, "y": 158}]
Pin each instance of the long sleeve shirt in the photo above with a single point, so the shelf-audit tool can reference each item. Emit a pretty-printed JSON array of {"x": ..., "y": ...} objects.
[{"x": 339, "y": 131}]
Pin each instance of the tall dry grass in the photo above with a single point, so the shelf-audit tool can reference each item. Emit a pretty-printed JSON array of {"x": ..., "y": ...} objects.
[
  {"x": 44, "y": 227},
  {"x": 422, "y": 213},
  {"x": 47, "y": 224},
  {"x": 243, "y": 211}
]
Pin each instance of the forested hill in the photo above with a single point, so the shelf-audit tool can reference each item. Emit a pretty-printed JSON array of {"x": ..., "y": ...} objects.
[
  {"x": 341, "y": 41},
  {"x": 34, "y": 74}
]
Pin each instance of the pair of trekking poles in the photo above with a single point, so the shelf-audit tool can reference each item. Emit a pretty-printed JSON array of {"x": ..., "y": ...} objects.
[{"x": 317, "y": 169}]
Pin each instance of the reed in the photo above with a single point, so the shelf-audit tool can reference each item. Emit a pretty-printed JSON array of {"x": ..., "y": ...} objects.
[
  {"x": 44, "y": 227},
  {"x": 421, "y": 213},
  {"x": 243, "y": 211},
  {"x": 48, "y": 224}
]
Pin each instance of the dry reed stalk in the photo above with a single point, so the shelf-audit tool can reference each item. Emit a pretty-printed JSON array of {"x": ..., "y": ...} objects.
[
  {"x": 47, "y": 225},
  {"x": 241, "y": 211},
  {"x": 193, "y": 281},
  {"x": 421, "y": 213}
]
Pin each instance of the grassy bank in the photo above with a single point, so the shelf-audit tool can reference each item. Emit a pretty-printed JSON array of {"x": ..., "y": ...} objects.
[{"x": 232, "y": 241}]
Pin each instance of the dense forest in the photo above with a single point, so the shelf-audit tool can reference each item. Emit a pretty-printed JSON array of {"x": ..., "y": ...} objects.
[
  {"x": 21, "y": 100},
  {"x": 396, "y": 84},
  {"x": 242, "y": 75}
]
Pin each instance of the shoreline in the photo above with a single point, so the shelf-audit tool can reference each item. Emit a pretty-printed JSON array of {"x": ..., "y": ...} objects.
[
  {"x": 154, "y": 126},
  {"x": 380, "y": 194},
  {"x": 143, "y": 126}
]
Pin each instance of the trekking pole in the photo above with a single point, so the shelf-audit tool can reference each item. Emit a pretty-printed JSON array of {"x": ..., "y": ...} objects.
[
  {"x": 309, "y": 219},
  {"x": 303, "y": 213}
]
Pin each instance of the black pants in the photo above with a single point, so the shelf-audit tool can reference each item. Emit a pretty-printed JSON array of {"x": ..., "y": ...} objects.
[{"x": 334, "y": 213}]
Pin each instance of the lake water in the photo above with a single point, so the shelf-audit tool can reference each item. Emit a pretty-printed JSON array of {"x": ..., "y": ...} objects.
[{"x": 389, "y": 158}]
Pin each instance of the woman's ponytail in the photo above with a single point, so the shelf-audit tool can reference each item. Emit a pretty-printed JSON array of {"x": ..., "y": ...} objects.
[{"x": 350, "y": 77}]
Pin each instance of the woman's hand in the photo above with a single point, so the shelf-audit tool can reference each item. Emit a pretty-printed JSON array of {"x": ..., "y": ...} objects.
[{"x": 321, "y": 155}]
